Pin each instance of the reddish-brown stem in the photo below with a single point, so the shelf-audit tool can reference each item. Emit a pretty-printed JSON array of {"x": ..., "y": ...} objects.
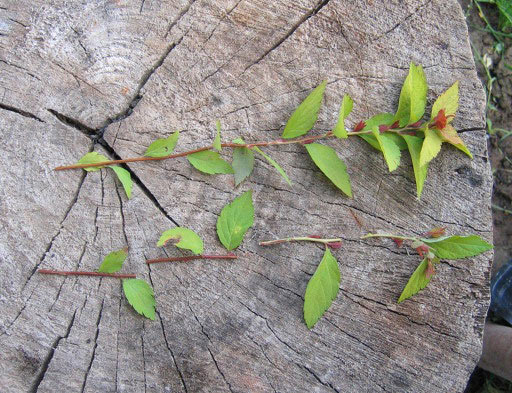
[
  {"x": 305, "y": 140},
  {"x": 95, "y": 274},
  {"x": 191, "y": 258},
  {"x": 186, "y": 153}
]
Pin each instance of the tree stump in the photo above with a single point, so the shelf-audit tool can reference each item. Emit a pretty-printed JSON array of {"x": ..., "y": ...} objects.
[{"x": 124, "y": 74}]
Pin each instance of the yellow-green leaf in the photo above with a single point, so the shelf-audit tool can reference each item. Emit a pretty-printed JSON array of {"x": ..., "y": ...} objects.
[
  {"x": 163, "y": 146},
  {"x": 346, "y": 107},
  {"x": 420, "y": 172},
  {"x": 243, "y": 162},
  {"x": 210, "y": 162},
  {"x": 449, "y": 134},
  {"x": 113, "y": 262},
  {"x": 389, "y": 149},
  {"x": 140, "y": 296},
  {"x": 458, "y": 247},
  {"x": 234, "y": 220},
  {"x": 331, "y": 165},
  {"x": 449, "y": 101},
  {"x": 413, "y": 97},
  {"x": 273, "y": 163},
  {"x": 431, "y": 146},
  {"x": 93, "y": 158},
  {"x": 417, "y": 281},
  {"x": 216, "y": 142},
  {"x": 304, "y": 117},
  {"x": 125, "y": 178},
  {"x": 322, "y": 289},
  {"x": 183, "y": 238}
]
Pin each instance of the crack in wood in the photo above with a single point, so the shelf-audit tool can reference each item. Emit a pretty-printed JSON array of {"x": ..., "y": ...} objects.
[
  {"x": 44, "y": 367},
  {"x": 310, "y": 371},
  {"x": 61, "y": 225},
  {"x": 315, "y": 10},
  {"x": 180, "y": 374},
  {"x": 20, "y": 112},
  {"x": 219, "y": 370},
  {"x": 95, "y": 346}
]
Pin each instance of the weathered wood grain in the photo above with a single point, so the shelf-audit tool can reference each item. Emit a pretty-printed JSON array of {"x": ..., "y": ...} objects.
[{"x": 125, "y": 74}]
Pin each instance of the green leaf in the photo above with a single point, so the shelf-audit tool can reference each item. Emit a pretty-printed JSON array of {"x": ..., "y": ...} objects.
[
  {"x": 186, "y": 238},
  {"x": 113, "y": 262},
  {"x": 216, "y": 142},
  {"x": 431, "y": 146},
  {"x": 92, "y": 158},
  {"x": 234, "y": 221},
  {"x": 417, "y": 281},
  {"x": 413, "y": 97},
  {"x": 331, "y": 165},
  {"x": 243, "y": 162},
  {"x": 389, "y": 149},
  {"x": 322, "y": 289},
  {"x": 420, "y": 172},
  {"x": 457, "y": 247},
  {"x": 140, "y": 296},
  {"x": 163, "y": 146},
  {"x": 505, "y": 18},
  {"x": 304, "y": 117},
  {"x": 377, "y": 120},
  {"x": 125, "y": 178},
  {"x": 346, "y": 107},
  {"x": 450, "y": 135},
  {"x": 210, "y": 162},
  {"x": 449, "y": 101},
  {"x": 273, "y": 163}
]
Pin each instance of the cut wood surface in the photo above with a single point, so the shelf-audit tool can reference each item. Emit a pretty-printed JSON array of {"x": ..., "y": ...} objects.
[{"x": 124, "y": 74}]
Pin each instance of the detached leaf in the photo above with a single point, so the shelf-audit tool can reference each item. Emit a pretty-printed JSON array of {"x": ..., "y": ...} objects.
[
  {"x": 210, "y": 162},
  {"x": 331, "y": 165},
  {"x": 304, "y": 117},
  {"x": 346, "y": 107},
  {"x": 413, "y": 97},
  {"x": 389, "y": 149},
  {"x": 322, "y": 289},
  {"x": 163, "y": 146},
  {"x": 420, "y": 172},
  {"x": 449, "y": 134},
  {"x": 449, "y": 101},
  {"x": 234, "y": 221},
  {"x": 216, "y": 142},
  {"x": 458, "y": 247},
  {"x": 243, "y": 162},
  {"x": 140, "y": 296},
  {"x": 273, "y": 163},
  {"x": 125, "y": 178},
  {"x": 113, "y": 262},
  {"x": 92, "y": 158},
  {"x": 186, "y": 238},
  {"x": 431, "y": 146},
  {"x": 418, "y": 280}
]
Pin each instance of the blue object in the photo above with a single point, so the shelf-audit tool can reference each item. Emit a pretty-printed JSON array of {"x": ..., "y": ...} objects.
[{"x": 501, "y": 292}]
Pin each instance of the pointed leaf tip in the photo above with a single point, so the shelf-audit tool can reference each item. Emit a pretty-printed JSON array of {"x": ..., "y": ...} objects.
[
  {"x": 322, "y": 289},
  {"x": 345, "y": 109},
  {"x": 141, "y": 297},
  {"x": 304, "y": 117},
  {"x": 234, "y": 221},
  {"x": 331, "y": 165}
]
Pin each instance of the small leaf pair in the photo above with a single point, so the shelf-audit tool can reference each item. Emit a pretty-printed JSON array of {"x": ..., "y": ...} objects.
[
  {"x": 138, "y": 292},
  {"x": 302, "y": 121},
  {"x": 233, "y": 222},
  {"x": 122, "y": 174},
  {"x": 432, "y": 249}
]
